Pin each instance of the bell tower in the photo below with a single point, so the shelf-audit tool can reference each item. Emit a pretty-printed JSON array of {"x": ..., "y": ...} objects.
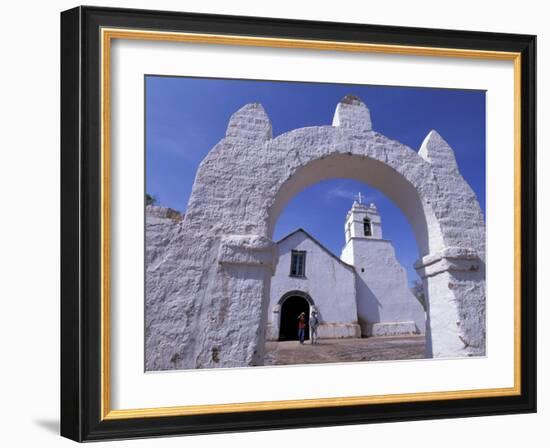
[
  {"x": 363, "y": 221},
  {"x": 385, "y": 305}
]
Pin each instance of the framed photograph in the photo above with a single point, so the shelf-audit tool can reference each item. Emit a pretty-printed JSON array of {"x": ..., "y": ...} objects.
[{"x": 273, "y": 223}]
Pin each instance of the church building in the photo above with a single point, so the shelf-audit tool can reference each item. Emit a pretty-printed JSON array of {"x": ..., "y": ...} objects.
[{"x": 362, "y": 293}]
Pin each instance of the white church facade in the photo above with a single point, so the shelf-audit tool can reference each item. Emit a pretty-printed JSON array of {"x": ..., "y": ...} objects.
[{"x": 362, "y": 293}]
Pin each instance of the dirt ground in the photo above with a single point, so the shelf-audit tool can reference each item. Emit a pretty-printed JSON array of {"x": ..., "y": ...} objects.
[{"x": 344, "y": 350}]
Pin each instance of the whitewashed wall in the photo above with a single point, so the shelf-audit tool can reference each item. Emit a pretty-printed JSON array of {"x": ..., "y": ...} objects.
[{"x": 385, "y": 304}]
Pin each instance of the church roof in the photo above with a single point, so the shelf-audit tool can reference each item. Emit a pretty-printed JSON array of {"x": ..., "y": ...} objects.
[{"x": 318, "y": 244}]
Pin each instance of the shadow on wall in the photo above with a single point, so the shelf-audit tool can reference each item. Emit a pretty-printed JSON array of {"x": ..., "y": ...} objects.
[{"x": 369, "y": 306}]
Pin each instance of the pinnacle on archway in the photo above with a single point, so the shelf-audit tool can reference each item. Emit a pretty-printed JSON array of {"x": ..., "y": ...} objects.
[
  {"x": 352, "y": 113},
  {"x": 250, "y": 122}
]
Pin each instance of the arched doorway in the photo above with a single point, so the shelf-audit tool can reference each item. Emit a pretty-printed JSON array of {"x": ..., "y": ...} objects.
[
  {"x": 223, "y": 257},
  {"x": 291, "y": 308}
]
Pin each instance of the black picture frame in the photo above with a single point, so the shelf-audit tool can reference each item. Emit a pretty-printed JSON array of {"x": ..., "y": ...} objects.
[{"x": 81, "y": 224}]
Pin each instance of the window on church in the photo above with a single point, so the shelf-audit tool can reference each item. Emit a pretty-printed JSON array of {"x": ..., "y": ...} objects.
[
  {"x": 367, "y": 228},
  {"x": 298, "y": 263}
]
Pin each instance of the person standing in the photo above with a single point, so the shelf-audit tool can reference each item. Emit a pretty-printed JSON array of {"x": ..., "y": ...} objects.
[
  {"x": 301, "y": 327},
  {"x": 313, "y": 323}
]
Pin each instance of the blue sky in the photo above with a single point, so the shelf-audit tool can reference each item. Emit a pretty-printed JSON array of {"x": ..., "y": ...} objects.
[{"x": 186, "y": 117}]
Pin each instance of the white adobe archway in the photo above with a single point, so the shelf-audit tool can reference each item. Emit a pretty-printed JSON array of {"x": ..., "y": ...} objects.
[{"x": 207, "y": 301}]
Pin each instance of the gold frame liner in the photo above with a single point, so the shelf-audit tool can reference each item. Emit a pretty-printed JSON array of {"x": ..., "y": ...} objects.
[{"x": 107, "y": 35}]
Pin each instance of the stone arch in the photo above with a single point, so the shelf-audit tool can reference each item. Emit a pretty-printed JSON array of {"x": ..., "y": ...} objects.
[
  {"x": 358, "y": 164},
  {"x": 222, "y": 260}
]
